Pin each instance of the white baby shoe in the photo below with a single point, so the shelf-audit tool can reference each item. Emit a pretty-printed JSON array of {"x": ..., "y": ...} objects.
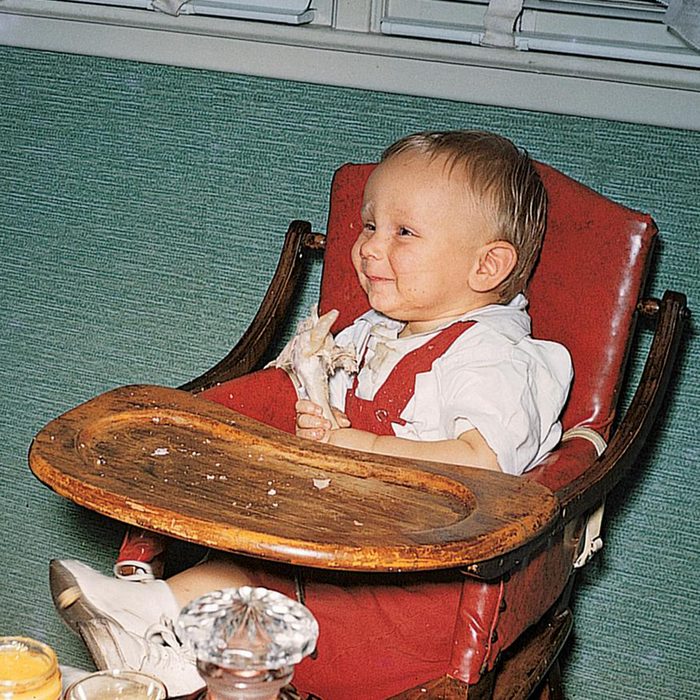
[
  {"x": 159, "y": 653},
  {"x": 80, "y": 593}
]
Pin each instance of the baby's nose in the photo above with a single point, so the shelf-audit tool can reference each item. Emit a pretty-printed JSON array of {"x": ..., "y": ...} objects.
[{"x": 372, "y": 246}]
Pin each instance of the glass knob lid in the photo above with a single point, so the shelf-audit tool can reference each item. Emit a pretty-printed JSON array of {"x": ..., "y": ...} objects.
[{"x": 248, "y": 629}]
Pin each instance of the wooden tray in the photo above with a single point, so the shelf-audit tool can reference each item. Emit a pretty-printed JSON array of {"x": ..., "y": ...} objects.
[{"x": 167, "y": 461}]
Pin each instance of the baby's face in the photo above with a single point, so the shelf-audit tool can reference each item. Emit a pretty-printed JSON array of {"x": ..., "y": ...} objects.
[{"x": 421, "y": 233}]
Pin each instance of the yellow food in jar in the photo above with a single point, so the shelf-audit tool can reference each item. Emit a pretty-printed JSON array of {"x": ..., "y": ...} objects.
[{"x": 28, "y": 670}]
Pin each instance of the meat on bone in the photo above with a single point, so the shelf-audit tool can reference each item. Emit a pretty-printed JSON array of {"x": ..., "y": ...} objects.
[{"x": 312, "y": 356}]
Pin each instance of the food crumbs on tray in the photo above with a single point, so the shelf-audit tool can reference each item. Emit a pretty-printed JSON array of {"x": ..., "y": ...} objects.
[
  {"x": 272, "y": 492},
  {"x": 155, "y": 419},
  {"x": 322, "y": 483},
  {"x": 160, "y": 452},
  {"x": 357, "y": 522}
]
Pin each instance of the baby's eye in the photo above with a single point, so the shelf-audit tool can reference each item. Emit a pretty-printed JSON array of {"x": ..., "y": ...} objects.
[
  {"x": 368, "y": 226},
  {"x": 403, "y": 231}
]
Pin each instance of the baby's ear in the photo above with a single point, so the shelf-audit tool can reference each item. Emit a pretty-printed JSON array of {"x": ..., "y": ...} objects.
[{"x": 494, "y": 263}]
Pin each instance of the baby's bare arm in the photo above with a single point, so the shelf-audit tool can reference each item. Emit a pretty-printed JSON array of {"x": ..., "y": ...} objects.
[{"x": 469, "y": 449}]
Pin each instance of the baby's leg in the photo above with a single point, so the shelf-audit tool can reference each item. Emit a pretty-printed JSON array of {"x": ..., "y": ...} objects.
[{"x": 220, "y": 571}]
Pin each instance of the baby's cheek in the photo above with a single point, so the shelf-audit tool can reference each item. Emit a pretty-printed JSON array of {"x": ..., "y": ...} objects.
[{"x": 357, "y": 263}]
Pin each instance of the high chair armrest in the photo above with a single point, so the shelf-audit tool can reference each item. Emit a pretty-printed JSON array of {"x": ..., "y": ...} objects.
[
  {"x": 248, "y": 353},
  {"x": 589, "y": 489}
]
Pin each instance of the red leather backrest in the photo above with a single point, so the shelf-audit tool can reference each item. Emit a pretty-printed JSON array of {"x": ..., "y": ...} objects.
[
  {"x": 339, "y": 286},
  {"x": 583, "y": 293}
]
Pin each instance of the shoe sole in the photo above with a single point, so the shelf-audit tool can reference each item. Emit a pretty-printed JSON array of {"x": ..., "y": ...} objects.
[
  {"x": 68, "y": 598},
  {"x": 90, "y": 632}
]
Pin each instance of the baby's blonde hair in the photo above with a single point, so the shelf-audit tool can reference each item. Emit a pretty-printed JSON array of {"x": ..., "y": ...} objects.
[{"x": 504, "y": 178}]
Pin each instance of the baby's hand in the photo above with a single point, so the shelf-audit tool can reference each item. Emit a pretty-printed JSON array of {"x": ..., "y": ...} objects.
[{"x": 312, "y": 425}]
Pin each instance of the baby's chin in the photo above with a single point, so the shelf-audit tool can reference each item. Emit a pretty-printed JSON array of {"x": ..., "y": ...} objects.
[{"x": 383, "y": 307}]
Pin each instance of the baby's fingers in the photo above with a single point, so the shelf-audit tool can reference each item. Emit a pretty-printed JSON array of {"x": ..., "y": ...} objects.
[
  {"x": 343, "y": 420},
  {"x": 311, "y": 421},
  {"x": 306, "y": 406}
]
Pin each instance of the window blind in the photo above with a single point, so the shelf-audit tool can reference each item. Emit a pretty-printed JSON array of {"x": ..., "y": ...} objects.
[
  {"x": 280, "y": 11},
  {"x": 627, "y": 30}
]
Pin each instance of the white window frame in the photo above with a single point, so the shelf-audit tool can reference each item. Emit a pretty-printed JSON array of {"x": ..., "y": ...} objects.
[{"x": 344, "y": 46}]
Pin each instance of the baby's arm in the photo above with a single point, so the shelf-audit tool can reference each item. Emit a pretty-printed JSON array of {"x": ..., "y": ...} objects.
[{"x": 469, "y": 449}]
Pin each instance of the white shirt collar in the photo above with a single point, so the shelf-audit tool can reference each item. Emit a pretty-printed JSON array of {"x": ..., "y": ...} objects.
[{"x": 510, "y": 320}]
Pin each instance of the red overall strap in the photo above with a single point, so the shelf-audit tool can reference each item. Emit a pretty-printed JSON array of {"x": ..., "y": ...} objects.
[{"x": 377, "y": 415}]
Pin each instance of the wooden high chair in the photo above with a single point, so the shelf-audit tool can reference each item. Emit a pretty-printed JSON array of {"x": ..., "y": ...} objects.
[{"x": 168, "y": 461}]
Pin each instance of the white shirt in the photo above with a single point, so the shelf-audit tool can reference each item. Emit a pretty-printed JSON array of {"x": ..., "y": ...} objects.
[{"x": 494, "y": 378}]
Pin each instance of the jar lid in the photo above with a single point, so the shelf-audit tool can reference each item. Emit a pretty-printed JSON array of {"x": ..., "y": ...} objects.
[{"x": 248, "y": 629}]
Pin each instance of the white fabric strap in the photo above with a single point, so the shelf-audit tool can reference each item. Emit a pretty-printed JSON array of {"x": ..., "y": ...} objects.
[
  {"x": 143, "y": 571},
  {"x": 499, "y": 22},
  {"x": 592, "y": 541},
  {"x": 595, "y": 438}
]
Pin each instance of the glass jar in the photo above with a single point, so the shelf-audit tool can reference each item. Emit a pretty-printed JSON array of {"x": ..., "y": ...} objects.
[
  {"x": 109, "y": 685},
  {"x": 28, "y": 670},
  {"x": 247, "y": 641}
]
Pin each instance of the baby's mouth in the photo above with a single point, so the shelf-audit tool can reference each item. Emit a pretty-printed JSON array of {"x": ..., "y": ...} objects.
[{"x": 377, "y": 278}]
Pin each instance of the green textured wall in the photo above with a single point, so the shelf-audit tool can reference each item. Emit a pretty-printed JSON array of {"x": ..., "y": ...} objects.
[{"x": 141, "y": 212}]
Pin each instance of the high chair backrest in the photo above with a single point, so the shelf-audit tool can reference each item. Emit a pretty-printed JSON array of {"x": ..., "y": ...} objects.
[{"x": 583, "y": 293}]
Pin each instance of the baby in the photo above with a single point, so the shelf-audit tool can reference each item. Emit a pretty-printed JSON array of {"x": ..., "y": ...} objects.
[{"x": 452, "y": 225}]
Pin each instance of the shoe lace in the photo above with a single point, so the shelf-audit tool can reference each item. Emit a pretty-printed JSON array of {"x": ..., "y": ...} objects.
[{"x": 164, "y": 647}]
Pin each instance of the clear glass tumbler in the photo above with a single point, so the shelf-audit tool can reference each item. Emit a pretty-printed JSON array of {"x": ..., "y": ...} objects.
[{"x": 116, "y": 685}]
